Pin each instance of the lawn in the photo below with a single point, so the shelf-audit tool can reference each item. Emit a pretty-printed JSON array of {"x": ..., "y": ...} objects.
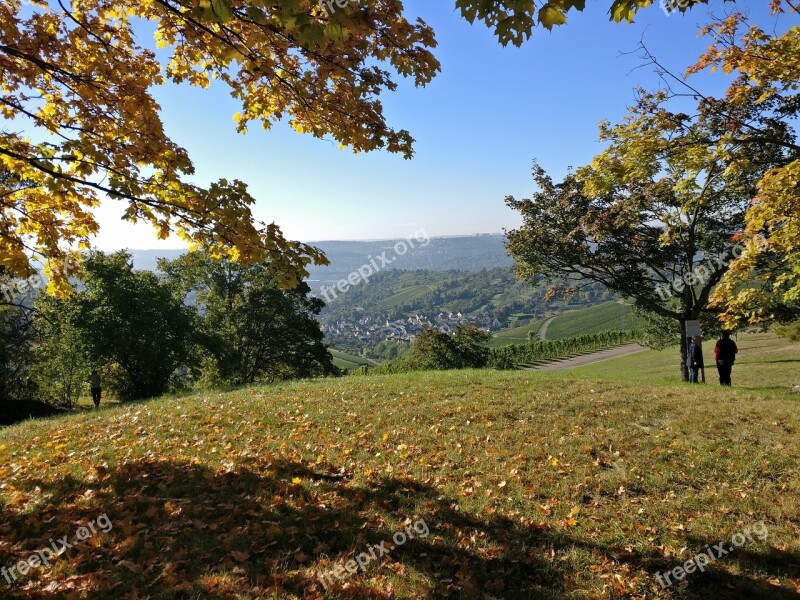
[
  {"x": 515, "y": 335},
  {"x": 344, "y": 360},
  {"x": 611, "y": 316},
  {"x": 512, "y": 484},
  {"x": 765, "y": 363}
]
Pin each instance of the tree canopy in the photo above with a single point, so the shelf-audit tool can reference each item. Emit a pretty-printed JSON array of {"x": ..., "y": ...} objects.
[
  {"x": 75, "y": 76},
  {"x": 81, "y": 123},
  {"x": 657, "y": 215}
]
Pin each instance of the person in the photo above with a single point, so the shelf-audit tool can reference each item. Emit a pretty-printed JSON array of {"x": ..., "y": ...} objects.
[
  {"x": 94, "y": 383},
  {"x": 695, "y": 359},
  {"x": 725, "y": 354}
]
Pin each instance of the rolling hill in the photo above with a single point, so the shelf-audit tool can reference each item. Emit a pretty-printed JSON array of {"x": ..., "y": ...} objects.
[{"x": 474, "y": 484}]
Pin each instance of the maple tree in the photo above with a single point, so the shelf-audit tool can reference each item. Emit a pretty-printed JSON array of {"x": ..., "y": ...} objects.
[
  {"x": 129, "y": 324},
  {"x": 765, "y": 282},
  {"x": 76, "y": 77}
]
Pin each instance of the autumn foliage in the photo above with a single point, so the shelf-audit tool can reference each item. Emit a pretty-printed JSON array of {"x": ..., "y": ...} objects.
[{"x": 82, "y": 124}]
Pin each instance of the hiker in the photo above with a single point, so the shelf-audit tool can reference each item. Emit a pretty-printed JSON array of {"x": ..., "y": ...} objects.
[
  {"x": 94, "y": 383},
  {"x": 695, "y": 359},
  {"x": 725, "y": 354}
]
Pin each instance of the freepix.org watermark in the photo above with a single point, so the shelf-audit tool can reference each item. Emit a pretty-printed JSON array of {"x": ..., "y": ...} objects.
[
  {"x": 329, "y": 6},
  {"x": 42, "y": 558},
  {"x": 419, "y": 238},
  {"x": 350, "y": 567},
  {"x": 703, "y": 270},
  {"x": 700, "y": 561},
  {"x": 670, "y": 6}
]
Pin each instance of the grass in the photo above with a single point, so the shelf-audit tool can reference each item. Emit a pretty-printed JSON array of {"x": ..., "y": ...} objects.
[
  {"x": 532, "y": 485},
  {"x": 515, "y": 335},
  {"x": 404, "y": 296},
  {"x": 765, "y": 363},
  {"x": 349, "y": 361},
  {"x": 611, "y": 316}
]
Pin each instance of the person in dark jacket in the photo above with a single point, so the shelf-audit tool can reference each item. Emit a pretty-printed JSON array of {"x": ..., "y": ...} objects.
[
  {"x": 95, "y": 386},
  {"x": 695, "y": 359},
  {"x": 725, "y": 354}
]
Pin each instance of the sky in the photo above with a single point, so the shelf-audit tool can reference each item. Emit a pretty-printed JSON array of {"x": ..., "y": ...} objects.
[{"x": 478, "y": 127}]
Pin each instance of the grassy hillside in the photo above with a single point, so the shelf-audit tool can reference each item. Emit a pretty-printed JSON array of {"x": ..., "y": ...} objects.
[
  {"x": 765, "y": 363},
  {"x": 515, "y": 335},
  {"x": 348, "y": 361},
  {"x": 513, "y": 484},
  {"x": 611, "y": 316},
  {"x": 399, "y": 294}
]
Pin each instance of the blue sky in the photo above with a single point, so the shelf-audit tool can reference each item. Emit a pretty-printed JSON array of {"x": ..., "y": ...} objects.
[{"x": 478, "y": 126}]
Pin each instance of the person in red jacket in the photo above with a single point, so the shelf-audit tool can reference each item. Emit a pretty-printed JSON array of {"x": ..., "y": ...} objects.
[{"x": 725, "y": 354}]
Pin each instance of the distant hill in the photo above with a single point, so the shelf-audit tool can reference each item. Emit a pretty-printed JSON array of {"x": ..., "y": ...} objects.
[
  {"x": 461, "y": 253},
  {"x": 468, "y": 253}
]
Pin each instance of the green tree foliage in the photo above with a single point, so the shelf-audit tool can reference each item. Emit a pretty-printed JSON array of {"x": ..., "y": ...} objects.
[
  {"x": 250, "y": 328},
  {"x": 60, "y": 354},
  {"x": 790, "y": 331},
  {"x": 513, "y": 21},
  {"x": 435, "y": 350},
  {"x": 390, "y": 350},
  {"x": 132, "y": 324},
  {"x": 16, "y": 339}
]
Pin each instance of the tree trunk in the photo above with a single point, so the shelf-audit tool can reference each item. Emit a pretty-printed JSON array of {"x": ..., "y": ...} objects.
[{"x": 684, "y": 352}]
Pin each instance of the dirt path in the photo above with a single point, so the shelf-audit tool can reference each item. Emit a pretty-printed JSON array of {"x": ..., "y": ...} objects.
[
  {"x": 589, "y": 359},
  {"x": 543, "y": 328}
]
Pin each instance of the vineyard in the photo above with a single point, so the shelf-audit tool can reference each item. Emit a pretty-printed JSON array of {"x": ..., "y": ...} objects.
[{"x": 510, "y": 357}]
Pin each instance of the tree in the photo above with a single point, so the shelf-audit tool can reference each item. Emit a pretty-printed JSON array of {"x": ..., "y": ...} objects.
[
  {"x": 251, "y": 328},
  {"x": 513, "y": 21},
  {"x": 132, "y": 324},
  {"x": 657, "y": 214},
  {"x": 764, "y": 283},
  {"x": 465, "y": 349},
  {"x": 16, "y": 338},
  {"x": 74, "y": 75},
  {"x": 77, "y": 73},
  {"x": 60, "y": 357}
]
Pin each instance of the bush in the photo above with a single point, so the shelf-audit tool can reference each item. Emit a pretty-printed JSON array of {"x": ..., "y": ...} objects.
[{"x": 790, "y": 331}]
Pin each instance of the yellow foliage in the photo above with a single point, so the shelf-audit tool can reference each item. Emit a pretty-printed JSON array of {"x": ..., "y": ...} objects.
[{"x": 75, "y": 71}]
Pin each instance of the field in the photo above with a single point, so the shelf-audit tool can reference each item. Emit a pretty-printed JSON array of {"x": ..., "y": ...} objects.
[
  {"x": 611, "y": 316},
  {"x": 515, "y": 335},
  {"x": 512, "y": 484},
  {"x": 349, "y": 361},
  {"x": 765, "y": 363}
]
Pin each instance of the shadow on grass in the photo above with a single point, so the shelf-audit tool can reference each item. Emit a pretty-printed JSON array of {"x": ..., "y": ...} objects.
[{"x": 184, "y": 531}]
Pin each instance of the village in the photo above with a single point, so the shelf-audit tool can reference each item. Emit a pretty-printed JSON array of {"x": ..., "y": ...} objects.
[{"x": 375, "y": 329}]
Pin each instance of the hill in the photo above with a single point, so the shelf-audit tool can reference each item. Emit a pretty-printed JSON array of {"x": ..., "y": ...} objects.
[
  {"x": 460, "y": 253},
  {"x": 469, "y": 484},
  {"x": 397, "y": 304},
  {"x": 349, "y": 361},
  {"x": 517, "y": 335},
  {"x": 765, "y": 362},
  {"x": 610, "y": 316}
]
